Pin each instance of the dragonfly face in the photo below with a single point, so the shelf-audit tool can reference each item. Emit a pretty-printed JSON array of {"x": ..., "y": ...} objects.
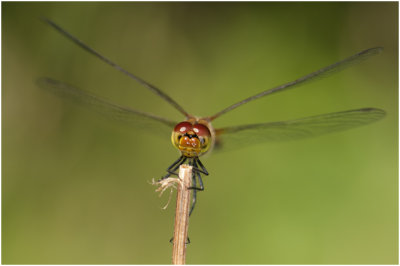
[{"x": 193, "y": 137}]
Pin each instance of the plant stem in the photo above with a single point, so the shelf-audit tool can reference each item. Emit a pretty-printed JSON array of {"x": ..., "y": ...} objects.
[{"x": 182, "y": 215}]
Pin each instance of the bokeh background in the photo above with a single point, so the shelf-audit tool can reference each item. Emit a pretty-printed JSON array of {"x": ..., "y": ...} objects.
[{"x": 75, "y": 186}]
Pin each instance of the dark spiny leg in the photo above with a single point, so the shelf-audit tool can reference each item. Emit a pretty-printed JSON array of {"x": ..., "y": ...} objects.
[
  {"x": 171, "y": 170},
  {"x": 175, "y": 163},
  {"x": 196, "y": 172},
  {"x": 191, "y": 162},
  {"x": 204, "y": 170},
  {"x": 194, "y": 186},
  {"x": 201, "y": 188},
  {"x": 172, "y": 240},
  {"x": 194, "y": 193}
]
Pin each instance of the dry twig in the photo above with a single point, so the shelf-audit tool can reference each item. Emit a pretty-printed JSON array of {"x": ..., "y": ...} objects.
[
  {"x": 182, "y": 210},
  {"x": 182, "y": 215}
]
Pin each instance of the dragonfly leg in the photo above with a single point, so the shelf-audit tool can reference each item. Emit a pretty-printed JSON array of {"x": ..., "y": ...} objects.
[
  {"x": 171, "y": 170},
  {"x": 172, "y": 240},
  {"x": 196, "y": 173},
  {"x": 203, "y": 170},
  {"x": 175, "y": 163},
  {"x": 194, "y": 186},
  {"x": 194, "y": 194}
]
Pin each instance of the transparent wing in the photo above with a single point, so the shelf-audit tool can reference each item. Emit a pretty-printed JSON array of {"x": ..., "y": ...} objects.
[
  {"x": 323, "y": 72},
  {"x": 87, "y": 48},
  {"x": 138, "y": 119},
  {"x": 238, "y": 136}
]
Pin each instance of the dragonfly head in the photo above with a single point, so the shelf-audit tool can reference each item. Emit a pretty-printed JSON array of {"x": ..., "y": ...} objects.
[{"x": 192, "y": 137}]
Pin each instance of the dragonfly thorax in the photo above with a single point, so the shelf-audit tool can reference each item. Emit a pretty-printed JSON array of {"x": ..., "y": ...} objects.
[{"x": 192, "y": 137}]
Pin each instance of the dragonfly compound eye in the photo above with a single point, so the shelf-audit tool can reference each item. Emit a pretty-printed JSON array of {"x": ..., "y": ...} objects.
[{"x": 191, "y": 140}]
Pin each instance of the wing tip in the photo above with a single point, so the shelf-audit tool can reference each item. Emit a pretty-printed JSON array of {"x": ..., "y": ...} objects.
[
  {"x": 372, "y": 114},
  {"x": 374, "y": 50},
  {"x": 377, "y": 111}
]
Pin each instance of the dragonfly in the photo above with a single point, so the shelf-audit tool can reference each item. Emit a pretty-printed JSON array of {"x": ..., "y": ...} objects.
[{"x": 196, "y": 136}]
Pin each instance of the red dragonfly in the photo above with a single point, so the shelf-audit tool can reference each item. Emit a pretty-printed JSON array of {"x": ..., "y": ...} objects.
[{"x": 196, "y": 136}]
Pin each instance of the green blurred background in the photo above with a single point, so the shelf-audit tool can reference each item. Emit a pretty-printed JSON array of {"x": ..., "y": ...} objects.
[{"x": 75, "y": 186}]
